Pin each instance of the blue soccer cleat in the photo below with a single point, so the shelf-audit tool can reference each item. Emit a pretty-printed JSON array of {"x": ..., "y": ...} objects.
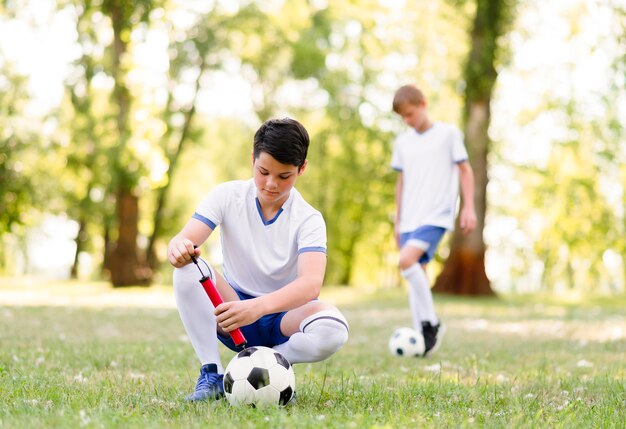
[{"x": 210, "y": 384}]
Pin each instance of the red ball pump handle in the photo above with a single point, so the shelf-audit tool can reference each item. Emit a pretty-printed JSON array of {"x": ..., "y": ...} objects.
[{"x": 216, "y": 299}]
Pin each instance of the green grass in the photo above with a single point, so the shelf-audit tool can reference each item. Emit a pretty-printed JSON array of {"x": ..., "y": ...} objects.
[{"x": 510, "y": 362}]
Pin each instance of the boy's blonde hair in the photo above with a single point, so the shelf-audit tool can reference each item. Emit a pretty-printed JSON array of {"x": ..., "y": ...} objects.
[{"x": 407, "y": 94}]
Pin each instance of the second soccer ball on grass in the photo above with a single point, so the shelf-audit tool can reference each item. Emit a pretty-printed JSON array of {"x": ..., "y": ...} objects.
[{"x": 406, "y": 342}]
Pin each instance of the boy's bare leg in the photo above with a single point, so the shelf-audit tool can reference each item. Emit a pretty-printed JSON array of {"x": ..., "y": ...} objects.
[{"x": 420, "y": 296}]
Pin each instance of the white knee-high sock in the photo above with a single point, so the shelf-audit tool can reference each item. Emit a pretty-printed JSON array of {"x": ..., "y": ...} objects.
[
  {"x": 321, "y": 335},
  {"x": 420, "y": 296},
  {"x": 196, "y": 312}
]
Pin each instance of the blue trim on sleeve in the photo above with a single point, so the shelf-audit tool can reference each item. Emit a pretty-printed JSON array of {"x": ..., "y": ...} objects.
[
  {"x": 266, "y": 222},
  {"x": 204, "y": 220},
  {"x": 460, "y": 161},
  {"x": 312, "y": 249},
  {"x": 396, "y": 168}
]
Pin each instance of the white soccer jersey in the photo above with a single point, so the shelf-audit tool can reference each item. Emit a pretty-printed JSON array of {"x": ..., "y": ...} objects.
[
  {"x": 428, "y": 162},
  {"x": 260, "y": 255}
]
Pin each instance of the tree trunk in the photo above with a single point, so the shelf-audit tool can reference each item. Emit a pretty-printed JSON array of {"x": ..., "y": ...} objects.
[
  {"x": 464, "y": 270},
  {"x": 124, "y": 259},
  {"x": 81, "y": 237},
  {"x": 126, "y": 269}
]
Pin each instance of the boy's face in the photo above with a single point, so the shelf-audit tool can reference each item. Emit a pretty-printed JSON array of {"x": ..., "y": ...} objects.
[
  {"x": 274, "y": 180},
  {"x": 414, "y": 115}
]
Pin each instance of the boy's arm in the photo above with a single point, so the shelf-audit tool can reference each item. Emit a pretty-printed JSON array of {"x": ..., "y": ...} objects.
[
  {"x": 399, "y": 185},
  {"x": 181, "y": 247},
  {"x": 306, "y": 287},
  {"x": 467, "y": 218}
]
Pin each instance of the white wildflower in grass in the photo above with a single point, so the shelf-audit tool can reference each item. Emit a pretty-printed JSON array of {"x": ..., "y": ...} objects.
[
  {"x": 40, "y": 360},
  {"x": 136, "y": 376},
  {"x": 113, "y": 364},
  {"x": 15, "y": 358},
  {"x": 433, "y": 368},
  {"x": 584, "y": 364},
  {"x": 183, "y": 338},
  {"x": 501, "y": 378},
  {"x": 84, "y": 418},
  {"x": 36, "y": 402},
  {"x": 529, "y": 396},
  {"x": 79, "y": 378}
]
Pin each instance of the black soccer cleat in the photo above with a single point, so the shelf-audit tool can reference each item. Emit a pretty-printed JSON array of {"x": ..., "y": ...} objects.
[{"x": 432, "y": 337}]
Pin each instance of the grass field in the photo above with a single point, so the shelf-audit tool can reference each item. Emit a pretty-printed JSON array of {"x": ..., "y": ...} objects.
[{"x": 84, "y": 356}]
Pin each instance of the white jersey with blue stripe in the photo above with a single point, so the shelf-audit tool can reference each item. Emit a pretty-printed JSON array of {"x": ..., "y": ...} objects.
[
  {"x": 260, "y": 255},
  {"x": 430, "y": 175}
]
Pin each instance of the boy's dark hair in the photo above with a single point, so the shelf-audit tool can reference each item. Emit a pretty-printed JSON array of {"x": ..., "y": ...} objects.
[
  {"x": 407, "y": 94},
  {"x": 286, "y": 140}
]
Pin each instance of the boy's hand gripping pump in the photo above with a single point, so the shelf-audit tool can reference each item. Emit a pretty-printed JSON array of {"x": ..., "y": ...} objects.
[{"x": 216, "y": 299}]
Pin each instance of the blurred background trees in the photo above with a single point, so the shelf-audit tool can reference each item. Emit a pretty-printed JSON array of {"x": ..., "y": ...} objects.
[{"x": 118, "y": 116}]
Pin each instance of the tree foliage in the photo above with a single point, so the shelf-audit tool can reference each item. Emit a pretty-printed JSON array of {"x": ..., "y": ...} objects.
[{"x": 148, "y": 125}]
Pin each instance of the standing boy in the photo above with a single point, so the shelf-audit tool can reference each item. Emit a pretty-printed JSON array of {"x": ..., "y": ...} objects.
[
  {"x": 274, "y": 249},
  {"x": 430, "y": 158}
]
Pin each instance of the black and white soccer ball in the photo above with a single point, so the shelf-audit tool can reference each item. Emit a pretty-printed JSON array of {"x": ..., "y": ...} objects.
[
  {"x": 407, "y": 342},
  {"x": 259, "y": 376}
]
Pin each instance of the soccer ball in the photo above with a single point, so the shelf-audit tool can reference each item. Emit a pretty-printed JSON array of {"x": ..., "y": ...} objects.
[
  {"x": 259, "y": 376},
  {"x": 406, "y": 342}
]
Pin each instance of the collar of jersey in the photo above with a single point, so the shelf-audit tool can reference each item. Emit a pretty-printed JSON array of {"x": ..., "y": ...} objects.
[{"x": 266, "y": 222}]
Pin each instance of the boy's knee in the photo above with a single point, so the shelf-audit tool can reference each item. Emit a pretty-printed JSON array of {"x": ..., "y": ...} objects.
[
  {"x": 405, "y": 263},
  {"x": 409, "y": 257},
  {"x": 337, "y": 337},
  {"x": 330, "y": 330}
]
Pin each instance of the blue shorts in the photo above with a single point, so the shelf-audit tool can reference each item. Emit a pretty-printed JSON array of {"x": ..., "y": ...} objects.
[
  {"x": 263, "y": 332},
  {"x": 426, "y": 238}
]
